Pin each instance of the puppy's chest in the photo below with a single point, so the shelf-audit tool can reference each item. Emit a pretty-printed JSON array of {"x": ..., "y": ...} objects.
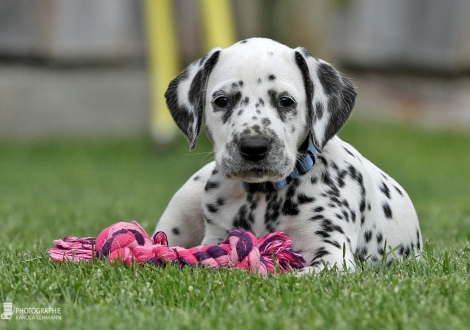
[{"x": 231, "y": 207}]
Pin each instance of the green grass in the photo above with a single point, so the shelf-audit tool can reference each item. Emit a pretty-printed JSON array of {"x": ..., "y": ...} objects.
[{"x": 52, "y": 188}]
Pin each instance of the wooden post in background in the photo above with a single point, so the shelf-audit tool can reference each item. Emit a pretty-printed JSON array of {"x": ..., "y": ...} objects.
[
  {"x": 218, "y": 22},
  {"x": 163, "y": 62}
]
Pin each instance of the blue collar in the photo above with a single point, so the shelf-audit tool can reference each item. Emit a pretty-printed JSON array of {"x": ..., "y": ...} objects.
[{"x": 302, "y": 167}]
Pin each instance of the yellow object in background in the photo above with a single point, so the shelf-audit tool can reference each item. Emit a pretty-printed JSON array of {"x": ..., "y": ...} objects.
[
  {"x": 163, "y": 53},
  {"x": 163, "y": 63},
  {"x": 218, "y": 20}
]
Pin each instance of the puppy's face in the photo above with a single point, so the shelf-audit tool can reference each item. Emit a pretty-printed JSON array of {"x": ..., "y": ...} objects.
[
  {"x": 256, "y": 111},
  {"x": 260, "y": 101}
]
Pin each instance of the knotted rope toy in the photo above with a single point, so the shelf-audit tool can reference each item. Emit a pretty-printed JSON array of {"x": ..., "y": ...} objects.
[{"x": 128, "y": 242}]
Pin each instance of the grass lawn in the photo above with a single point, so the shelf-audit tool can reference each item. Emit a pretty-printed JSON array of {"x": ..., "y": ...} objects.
[{"x": 52, "y": 188}]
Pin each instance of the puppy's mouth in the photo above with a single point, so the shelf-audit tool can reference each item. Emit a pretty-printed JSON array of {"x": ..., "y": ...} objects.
[
  {"x": 255, "y": 173},
  {"x": 258, "y": 175}
]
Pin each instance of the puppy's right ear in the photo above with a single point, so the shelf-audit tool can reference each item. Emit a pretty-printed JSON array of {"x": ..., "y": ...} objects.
[{"x": 186, "y": 95}]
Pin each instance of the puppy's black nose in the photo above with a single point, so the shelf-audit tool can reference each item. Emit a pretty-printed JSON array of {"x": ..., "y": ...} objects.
[{"x": 254, "y": 149}]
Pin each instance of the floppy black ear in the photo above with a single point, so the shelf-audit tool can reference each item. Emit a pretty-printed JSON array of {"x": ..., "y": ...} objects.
[
  {"x": 185, "y": 96},
  {"x": 330, "y": 96}
]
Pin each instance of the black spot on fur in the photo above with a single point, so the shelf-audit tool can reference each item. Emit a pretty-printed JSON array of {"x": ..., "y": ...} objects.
[
  {"x": 272, "y": 213},
  {"x": 176, "y": 231},
  {"x": 361, "y": 253},
  {"x": 334, "y": 243},
  {"x": 320, "y": 253},
  {"x": 207, "y": 219},
  {"x": 253, "y": 202},
  {"x": 244, "y": 41},
  {"x": 240, "y": 112},
  {"x": 386, "y": 191},
  {"x": 271, "y": 77},
  {"x": 328, "y": 78},
  {"x": 243, "y": 219},
  {"x": 319, "y": 111},
  {"x": 345, "y": 215},
  {"x": 368, "y": 236},
  {"x": 212, "y": 208},
  {"x": 362, "y": 206},
  {"x": 304, "y": 199},
  {"x": 210, "y": 185},
  {"x": 353, "y": 216},
  {"x": 327, "y": 225},
  {"x": 401, "y": 250},
  {"x": 290, "y": 207},
  {"x": 379, "y": 238},
  {"x": 322, "y": 159},
  {"x": 265, "y": 122},
  {"x": 240, "y": 83},
  {"x": 398, "y": 190},
  {"x": 349, "y": 152},
  {"x": 387, "y": 211},
  {"x": 317, "y": 217},
  {"x": 380, "y": 250},
  {"x": 196, "y": 178},
  {"x": 259, "y": 81},
  {"x": 323, "y": 233},
  {"x": 407, "y": 251}
]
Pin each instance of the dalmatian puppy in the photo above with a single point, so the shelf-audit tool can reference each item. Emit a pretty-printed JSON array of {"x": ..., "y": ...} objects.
[{"x": 272, "y": 114}]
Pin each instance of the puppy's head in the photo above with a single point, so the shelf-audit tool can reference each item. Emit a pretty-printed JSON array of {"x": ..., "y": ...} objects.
[{"x": 262, "y": 102}]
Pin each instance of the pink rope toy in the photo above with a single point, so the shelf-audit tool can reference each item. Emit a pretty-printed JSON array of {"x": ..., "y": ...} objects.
[{"x": 128, "y": 242}]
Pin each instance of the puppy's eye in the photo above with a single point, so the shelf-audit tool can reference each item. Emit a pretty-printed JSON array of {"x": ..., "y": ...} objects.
[
  {"x": 222, "y": 102},
  {"x": 285, "y": 102}
]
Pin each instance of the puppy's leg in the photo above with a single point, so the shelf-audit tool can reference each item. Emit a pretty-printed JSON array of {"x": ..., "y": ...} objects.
[{"x": 182, "y": 221}]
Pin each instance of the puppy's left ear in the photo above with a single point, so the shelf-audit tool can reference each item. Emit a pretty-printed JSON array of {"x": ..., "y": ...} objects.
[{"x": 330, "y": 96}]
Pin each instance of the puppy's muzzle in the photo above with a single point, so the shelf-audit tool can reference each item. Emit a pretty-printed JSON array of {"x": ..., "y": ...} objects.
[{"x": 254, "y": 149}]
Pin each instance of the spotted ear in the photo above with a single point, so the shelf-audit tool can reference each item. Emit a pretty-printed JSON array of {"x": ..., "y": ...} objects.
[
  {"x": 330, "y": 96},
  {"x": 185, "y": 96}
]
